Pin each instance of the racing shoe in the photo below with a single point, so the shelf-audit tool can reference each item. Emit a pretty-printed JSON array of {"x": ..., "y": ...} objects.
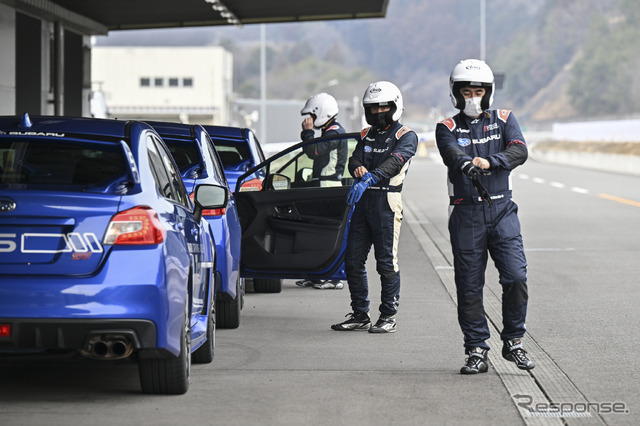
[
  {"x": 512, "y": 350},
  {"x": 385, "y": 324},
  {"x": 355, "y": 321},
  {"x": 307, "y": 283},
  {"x": 476, "y": 362},
  {"x": 329, "y": 285}
]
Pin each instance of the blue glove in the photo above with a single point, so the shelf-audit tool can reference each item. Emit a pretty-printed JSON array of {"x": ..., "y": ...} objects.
[{"x": 358, "y": 188}]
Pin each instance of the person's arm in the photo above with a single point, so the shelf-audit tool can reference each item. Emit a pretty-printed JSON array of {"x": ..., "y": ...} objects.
[
  {"x": 356, "y": 160},
  {"x": 452, "y": 156},
  {"x": 515, "y": 152},
  {"x": 405, "y": 148}
]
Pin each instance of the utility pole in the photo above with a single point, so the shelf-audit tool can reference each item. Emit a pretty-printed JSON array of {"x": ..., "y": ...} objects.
[
  {"x": 483, "y": 29},
  {"x": 263, "y": 83}
]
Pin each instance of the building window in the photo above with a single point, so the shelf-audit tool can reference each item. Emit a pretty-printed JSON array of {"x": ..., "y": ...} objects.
[
  {"x": 174, "y": 82},
  {"x": 145, "y": 82},
  {"x": 158, "y": 82},
  {"x": 187, "y": 82}
]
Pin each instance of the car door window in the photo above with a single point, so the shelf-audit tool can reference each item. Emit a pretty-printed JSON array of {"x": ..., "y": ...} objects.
[
  {"x": 256, "y": 146},
  {"x": 218, "y": 170},
  {"x": 167, "y": 176},
  {"x": 310, "y": 165}
]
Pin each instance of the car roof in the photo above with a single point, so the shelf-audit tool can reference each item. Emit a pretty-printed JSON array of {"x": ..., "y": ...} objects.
[
  {"x": 71, "y": 125},
  {"x": 173, "y": 129},
  {"x": 227, "y": 132}
]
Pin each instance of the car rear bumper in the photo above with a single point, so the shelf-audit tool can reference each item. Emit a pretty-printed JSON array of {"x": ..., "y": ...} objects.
[{"x": 39, "y": 334}]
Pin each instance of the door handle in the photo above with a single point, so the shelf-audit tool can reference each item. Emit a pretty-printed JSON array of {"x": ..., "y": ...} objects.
[{"x": 284, "y": 209}]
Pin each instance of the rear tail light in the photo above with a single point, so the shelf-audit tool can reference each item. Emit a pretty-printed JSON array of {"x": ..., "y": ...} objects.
[
  {"x": 252, "y": 185},
  {"x": 139, "y": 225},
  {"x": 5, "y": 330},
  {"x": 209, "y": 212}
]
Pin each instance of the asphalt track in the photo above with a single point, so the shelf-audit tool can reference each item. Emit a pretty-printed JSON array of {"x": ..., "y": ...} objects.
[{"x": 285, "y": 366}]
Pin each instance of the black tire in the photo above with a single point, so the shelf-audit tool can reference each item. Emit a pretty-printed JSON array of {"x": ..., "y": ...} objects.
[
  {"x": 228, "y": 310},
  {"x": 169, "y": 376},
  {"x": 267, "y": 285},
  {"x": 204, "y": 354}
]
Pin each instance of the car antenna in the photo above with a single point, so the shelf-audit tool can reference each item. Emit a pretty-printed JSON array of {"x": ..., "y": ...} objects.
[{"x": 25, "y": 121}]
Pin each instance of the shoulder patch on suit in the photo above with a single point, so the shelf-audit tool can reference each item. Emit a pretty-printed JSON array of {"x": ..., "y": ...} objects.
[
  {"x": 449, "y": 123},
  {"x": 503, "y": 114},
  {"x": 364, "y": 132},
  {"x": 403, "y": 130}
]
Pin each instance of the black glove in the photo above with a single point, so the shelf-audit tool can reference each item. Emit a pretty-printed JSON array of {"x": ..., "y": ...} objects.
[{"x": 472, "y": 171}]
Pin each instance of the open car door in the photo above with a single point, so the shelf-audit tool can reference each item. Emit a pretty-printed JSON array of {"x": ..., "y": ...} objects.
[{"x": 295, "y": 221}]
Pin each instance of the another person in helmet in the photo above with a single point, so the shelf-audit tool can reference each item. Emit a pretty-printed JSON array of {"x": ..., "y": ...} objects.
[
  {"x": 480, "y": 147},
  {"x": 379, "y": 164},
  {"x": 329, "y": 159}
]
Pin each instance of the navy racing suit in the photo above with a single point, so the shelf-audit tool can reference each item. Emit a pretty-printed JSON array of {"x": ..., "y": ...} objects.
[
  {"x": 329, "y": 159},
  {"x": 377, "y": 216},
  {"x": 476, "y": 228}
]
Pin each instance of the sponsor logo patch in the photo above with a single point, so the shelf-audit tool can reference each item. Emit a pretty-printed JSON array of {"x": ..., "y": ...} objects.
[{"x": 464, "y": 141}]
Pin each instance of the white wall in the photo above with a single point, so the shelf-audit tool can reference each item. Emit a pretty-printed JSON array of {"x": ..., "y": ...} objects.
[
  {"x": 118, "y": 71},
  {"x": 7, "y": 64},
  {"x": 599, "y": 131}
]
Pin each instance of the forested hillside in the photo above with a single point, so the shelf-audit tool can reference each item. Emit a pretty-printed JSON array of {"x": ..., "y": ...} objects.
[{"x": 562, "y": 59}]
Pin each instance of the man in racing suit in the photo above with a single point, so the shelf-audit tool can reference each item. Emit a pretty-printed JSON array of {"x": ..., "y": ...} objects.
[
  {"x": 480, "y": 147},
  {"x": 379, "y": 164},
  {"x": 329, "y": 159}
]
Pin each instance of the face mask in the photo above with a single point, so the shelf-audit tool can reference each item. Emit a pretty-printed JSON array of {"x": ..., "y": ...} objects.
[
  {"x": 472, "y": 107},
  {"x": 379, "y": 120}
]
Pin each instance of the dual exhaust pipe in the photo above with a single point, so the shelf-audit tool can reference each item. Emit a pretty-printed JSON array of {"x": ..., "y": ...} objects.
[{"x": 108, "y": 346}]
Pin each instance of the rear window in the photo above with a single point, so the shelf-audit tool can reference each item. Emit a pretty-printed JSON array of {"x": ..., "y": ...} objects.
[
  {"x": 232, "y": 154},
  {"x": 54, "y": 165}
]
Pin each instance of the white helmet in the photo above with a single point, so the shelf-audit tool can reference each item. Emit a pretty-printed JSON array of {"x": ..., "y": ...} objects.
[
  {"x": 383, "y": 93},
  {"x": 323, "y": 106},
  {"x": 471, "y": 72}
]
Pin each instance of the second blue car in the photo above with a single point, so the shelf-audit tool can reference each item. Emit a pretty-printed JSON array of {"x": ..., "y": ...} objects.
[{"x": 198, "y": 161}]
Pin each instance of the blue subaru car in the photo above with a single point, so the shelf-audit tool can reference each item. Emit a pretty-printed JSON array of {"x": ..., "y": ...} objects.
[
  {"x": 199, "y": 163},
  {"x": 101, "y": 251},
  {"x": 239, "y": 151}
]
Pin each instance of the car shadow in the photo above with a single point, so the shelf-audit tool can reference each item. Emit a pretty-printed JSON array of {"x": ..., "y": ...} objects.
[{"x": 65, "y": 377}]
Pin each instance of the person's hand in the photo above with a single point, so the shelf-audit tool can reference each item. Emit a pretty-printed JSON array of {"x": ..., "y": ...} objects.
[
  {"x": 307, "y": 123},
  {"x": 483, "y": 163},
  {"x": 360, "y": 171},
  {"x": 358, "y": 188}
]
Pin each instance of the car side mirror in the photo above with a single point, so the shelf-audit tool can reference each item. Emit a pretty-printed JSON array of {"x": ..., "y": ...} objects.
[
  {"x": 277, "y": 182},
  {"x": 209, "y": 197}
]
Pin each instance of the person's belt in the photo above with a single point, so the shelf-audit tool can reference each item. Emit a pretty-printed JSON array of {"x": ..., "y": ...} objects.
[
  {"x": 454, "y": 201},
  {"x": 387, "y": 188}
]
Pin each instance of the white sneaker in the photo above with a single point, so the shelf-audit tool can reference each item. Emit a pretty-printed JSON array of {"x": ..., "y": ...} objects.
[{"x": 329, "y": 285}]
